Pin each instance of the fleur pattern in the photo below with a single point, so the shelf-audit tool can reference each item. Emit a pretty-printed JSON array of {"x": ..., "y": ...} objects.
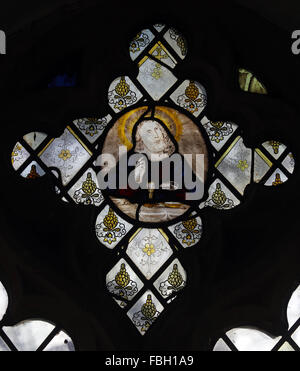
[
  {"x": 140, "y": 41},
  {"x": 110, "y": 228},
  {"x": 145, "y": 312},
  {"x": 176, "y": 280},
  {"x": 89, "y": 193},
  {"x": 192, "y": 99},
  {"x": 122, "y": 96},
  {"x": 219, "y": 199},
  {"x": 122, "y": 285},
  {"x": 92, "y": 127},
  {"x": 188, "y": 232},
  {"x": 66, "y": 154},
  {"x": 180, "y": 40},
  {"x": 217, "y": 131},
  {"x": 149, "y": 250},
  {"x": 19, "y": 156},
  {"x": 242, "y": 165}
]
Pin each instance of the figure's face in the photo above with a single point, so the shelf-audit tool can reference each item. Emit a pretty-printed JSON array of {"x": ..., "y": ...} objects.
[{"x": 152, "y": 136}]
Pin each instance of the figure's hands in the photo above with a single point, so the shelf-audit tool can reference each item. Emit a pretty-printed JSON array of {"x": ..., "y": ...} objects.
[
  {"x": 170, "y": 186},
  {"x": 139, "y": 171}
]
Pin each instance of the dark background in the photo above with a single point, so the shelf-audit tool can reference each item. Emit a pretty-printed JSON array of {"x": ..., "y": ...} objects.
[
  {"x": 15, "y": 14},
  {"x": 247, "y": 263}
]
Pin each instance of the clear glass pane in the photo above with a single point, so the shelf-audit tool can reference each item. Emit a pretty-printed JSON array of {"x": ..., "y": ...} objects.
[
  {"x": 219, "y": 132},
  {"x": 262, "y": 165},
  {"x": 248, "y": 340},
  {"x": 67, "y": 153},
  {"x": 289, "y": 163},
  {"x": 293, "y": 309},
  {"x": 149, "y": 250},
  {"x": 60, "y": 343},
  {"x": 286, "y": 347},
  {"x": 296, "y": 336},
  {"x": 92, "y": 128},
  {"x": 34, "y": 139},
  {"x": 28, "y": 335},
  {"x": 123, "y": 282},
  {"x": 172, "y": 280},
  {"x": 3, "y": 346},
  {"x": 145, "y": 311},
  {"x": 235, "y": 164},
  {"x": 86, "y": 190},
  {"x": 3, "y": 301},
  {"x": 155, "y": 78},
  {"x": 111, "y": 228},
  {"x": 123, "y": 93},
  {"x": 221, "y": 346},
  {"x": 19, "y": 156},
  {"x": 190, "y": 95}
]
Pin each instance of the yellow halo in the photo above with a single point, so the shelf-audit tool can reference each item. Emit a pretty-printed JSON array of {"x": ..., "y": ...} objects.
[{"x": 168, "y": 116}]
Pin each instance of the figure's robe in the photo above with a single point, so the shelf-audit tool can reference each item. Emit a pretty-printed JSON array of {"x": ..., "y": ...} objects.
[{"x": 164, "y": 193}]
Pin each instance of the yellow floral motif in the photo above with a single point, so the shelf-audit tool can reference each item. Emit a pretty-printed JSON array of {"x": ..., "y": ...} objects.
[
  {"x": 110, "y": 229},
  {"x": 275, "y": 145},
  {"x": 145, "y": 328},
  {"x": 89, "y": 187},
  {"x": 192, "y": 92},
  {"x": 182, "y": 45},
  {"x": 122, "y": 278},
  {"x": 190, "y": 225},
  {"x": 65, "y": 154},
  {"x": 219, "y": 197},
  {"x": 122, "y": 88},
  {"x": 148, "y": 309},
  {"x": 217, "y": 128},
  {"x": 149, "y": 249},
  {"x": 243, "y": 165},
  {"x": 110, "y": 238},
  {"x": 15, "y": 153},
  {"x": 122, "y": 96},
  {"x": 175, "y": 278},
  {"x": 134, "y": 46},
  {"x": 192, "y": 99},
  {"x": 161, "y": 54},
  {"x": 141, "y": 40},
  {"x": 157, "y": 72},
  {"x": 110, "y": 221},
  {"x": 277, "y": 181}
]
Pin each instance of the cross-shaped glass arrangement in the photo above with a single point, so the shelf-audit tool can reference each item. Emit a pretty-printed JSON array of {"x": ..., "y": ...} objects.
[{"x": 157, "y": 115}]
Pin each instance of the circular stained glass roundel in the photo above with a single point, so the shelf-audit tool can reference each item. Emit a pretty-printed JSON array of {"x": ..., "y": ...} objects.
[{"x": 154, "y": 163}]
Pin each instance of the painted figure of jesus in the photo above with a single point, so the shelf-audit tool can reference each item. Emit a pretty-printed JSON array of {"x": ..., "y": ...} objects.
[{"x": 162, "y": 190}]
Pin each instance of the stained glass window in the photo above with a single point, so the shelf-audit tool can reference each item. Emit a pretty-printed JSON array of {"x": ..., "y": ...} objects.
[
  {"x": 31, "y": 335},
  {"x": 153, "y": 116},
  {"x": 250, "y": 339},
  {"x": 139, "y": 187}
]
